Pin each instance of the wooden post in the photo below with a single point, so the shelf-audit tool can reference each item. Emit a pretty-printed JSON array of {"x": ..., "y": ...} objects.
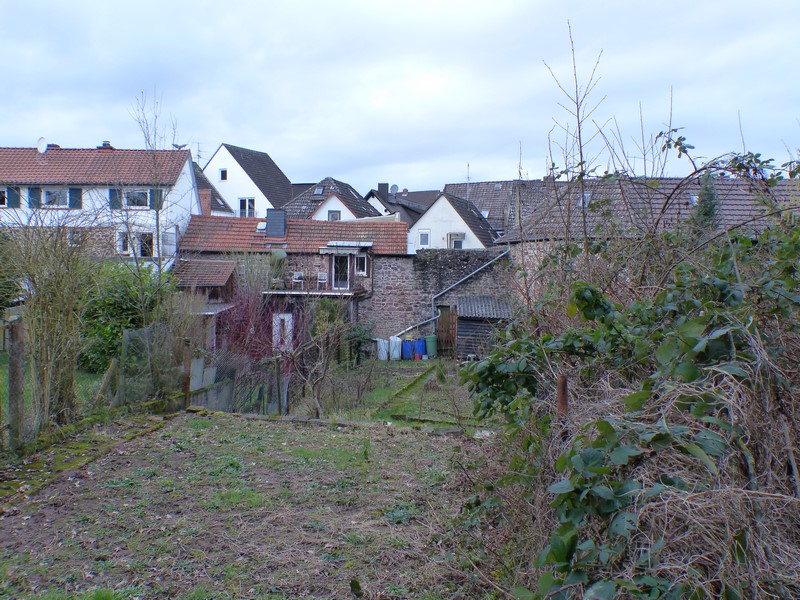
[
  {"x": 16, "y": 385},
  {"x": 187, "y": 367},
  {"x": 278, "y": 391},
  {"x": 562, "y": 397}
]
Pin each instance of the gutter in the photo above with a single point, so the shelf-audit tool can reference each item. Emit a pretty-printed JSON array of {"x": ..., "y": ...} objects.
[{"x": 460, "y": 281}]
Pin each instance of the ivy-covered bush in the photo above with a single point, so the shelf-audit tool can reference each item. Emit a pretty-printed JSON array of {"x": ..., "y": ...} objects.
[{"x": 674, "y": 473}]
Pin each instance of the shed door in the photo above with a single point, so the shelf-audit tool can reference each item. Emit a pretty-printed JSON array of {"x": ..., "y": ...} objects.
[{"x": 446, "y": 329}]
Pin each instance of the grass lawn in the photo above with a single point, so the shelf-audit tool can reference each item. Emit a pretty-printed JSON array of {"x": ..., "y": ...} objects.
[{"x": 223, "y": 506}]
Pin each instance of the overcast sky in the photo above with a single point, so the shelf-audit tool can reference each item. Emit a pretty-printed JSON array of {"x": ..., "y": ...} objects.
[{"x": 407, "y": 92}]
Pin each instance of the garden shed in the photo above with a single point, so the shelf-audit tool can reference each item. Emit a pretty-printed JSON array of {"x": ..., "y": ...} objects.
[{"x": 478, "y": 318}]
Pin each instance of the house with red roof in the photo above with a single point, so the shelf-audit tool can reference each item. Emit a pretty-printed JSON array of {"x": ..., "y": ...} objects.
[{"x": 135, "y": 203}]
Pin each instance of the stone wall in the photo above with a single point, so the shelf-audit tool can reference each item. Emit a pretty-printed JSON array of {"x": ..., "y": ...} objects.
[{"x": 403, "y": 286}]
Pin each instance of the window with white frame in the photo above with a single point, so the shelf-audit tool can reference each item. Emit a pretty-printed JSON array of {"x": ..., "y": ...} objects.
[
  {"x": 424, "y": 238},
  {"x": 136, "y": 198},
  {"x": 140, "y": 243},
  {"x": 334, "y": 215},
  {"x": 56, "y": 198},
  {"x": 455, "y": 241},
  {"x": 319, "y": 190},
  {"x": 362, "y": 265},
  {"x": 247, "y": 207},
  {"x": 585, "y": 199}
]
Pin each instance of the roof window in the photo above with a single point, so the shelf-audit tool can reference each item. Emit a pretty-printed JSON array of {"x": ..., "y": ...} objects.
[{"x": 318, "y": 190}]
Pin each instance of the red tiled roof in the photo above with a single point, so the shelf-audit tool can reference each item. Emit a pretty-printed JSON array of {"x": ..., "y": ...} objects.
[
  {"x": 95, "y": 166},
  {"x": 225, "y": 234},
  {"x": 203, "y": 273}
]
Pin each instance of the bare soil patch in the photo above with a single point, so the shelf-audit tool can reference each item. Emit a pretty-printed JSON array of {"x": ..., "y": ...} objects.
[{"x": 219, "y": 506}]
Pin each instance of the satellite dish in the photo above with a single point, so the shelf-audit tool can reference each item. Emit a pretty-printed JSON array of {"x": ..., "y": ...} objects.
[
  {"x": 41, "y": 145},
  {"x": 394, "y": 188}
]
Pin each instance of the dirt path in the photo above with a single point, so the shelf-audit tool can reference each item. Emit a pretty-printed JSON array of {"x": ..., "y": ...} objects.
[{"x": 223, "y": 507}]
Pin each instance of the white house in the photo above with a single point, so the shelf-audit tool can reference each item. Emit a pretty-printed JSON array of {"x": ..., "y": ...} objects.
[
  {"x": 248, "y": 180},
  {"x": 330, "y": 200},
  {"x": 138, "y": 202},
  {"x": 451, "y": 222}
]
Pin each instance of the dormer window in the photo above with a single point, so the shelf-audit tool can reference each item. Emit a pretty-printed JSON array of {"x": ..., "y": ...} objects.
[
  {"x": 223, "y": 174},
  {"x": 318, "y": 190}
]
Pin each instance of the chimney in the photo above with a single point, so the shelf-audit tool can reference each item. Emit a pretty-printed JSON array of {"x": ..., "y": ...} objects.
[
  {"x": 106, "y": 146},
  {"x": 383, "y": 190},
  {"x": 405, "y": 192},
  {"x": 205, "y": 202},
  {"x": 276, "y": 223}
]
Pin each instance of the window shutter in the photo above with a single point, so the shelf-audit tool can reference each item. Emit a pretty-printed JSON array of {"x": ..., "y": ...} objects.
[
  {"x": 34, "y": 197},
  {"x": 75, "y": 198},
  {"x": 115, "y": 198},
  {"x": 12, "y": 197},
  {"x": 156, "y": 198}
]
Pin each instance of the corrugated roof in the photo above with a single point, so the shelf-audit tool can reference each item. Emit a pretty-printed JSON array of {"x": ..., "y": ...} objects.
[
  {"x": 304, "y": 205},
  {"x": 263, "y": 171},
  {"x": 105, "y": 166},
  {"x": 203, "y": 273},
  {"x": 483, "y": 307},
  {"x": 224, "y": 234}
]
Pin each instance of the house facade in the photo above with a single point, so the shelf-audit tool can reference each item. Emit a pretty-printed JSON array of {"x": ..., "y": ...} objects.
[
  {"x": 248, "y": 180},
  {"x": 451, "y": 223},
  {"x": 134, "y": 203}
]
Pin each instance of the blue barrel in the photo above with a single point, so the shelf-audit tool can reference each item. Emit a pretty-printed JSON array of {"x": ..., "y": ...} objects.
[
  {"x": 408, "y": 349},
  {"x": 419, "y": 347}
]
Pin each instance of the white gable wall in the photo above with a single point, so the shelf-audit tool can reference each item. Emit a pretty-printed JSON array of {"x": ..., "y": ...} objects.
[
  {"x": 238, "y": 184},
  {"x": 440, "y": 219},
  {"x": 332, "y": 203}
]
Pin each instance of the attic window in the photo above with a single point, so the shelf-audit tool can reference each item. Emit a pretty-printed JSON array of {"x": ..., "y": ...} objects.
[
  {"x": 456, "y": 241},
  {"x": 353, "y": 192},
  {"x": 498, "y": 186},
  {"x": 334, "y": 215},
  {"x": 318, "y": 190},
  {"x": 485, "y": 214},
  {"x": 223, "y": 174},
  {"x": 585, "y": 199},
  {"x": 693, "y": 199}
]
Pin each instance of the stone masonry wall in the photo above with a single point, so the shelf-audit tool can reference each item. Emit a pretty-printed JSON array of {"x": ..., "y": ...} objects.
[{"x": 405, "y": 285}]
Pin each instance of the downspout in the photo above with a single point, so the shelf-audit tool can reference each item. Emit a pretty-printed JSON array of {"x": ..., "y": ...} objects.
[{"x": 462, "y": 280}]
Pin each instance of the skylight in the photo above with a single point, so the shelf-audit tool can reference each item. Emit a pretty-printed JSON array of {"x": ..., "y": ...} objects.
[{"x": 318, "y": 190}]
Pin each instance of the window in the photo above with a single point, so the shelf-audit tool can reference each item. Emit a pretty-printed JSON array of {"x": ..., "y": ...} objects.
[
  {"x": 75, "y": 237},
  {"x": 585, "y": 199},
  {"x": 247, "y": 207},
  {"x": 341, "y": 272},
  {"x": 424, "y": 238},
  {"x": 693, "y": 199},
  {"x": 318, "y": 190},
  {"x": 282, "y": 332},
  {"x": 3, "y": 201},
  {"x": 136, "y": 198},
  {"x": 361, "y": 265},
  {"x": 455, "y": 241},
  {"x": 56, "y": 198},
  {"x": 334, "y": 215},
  {"x": 223, "y": 174},
  {"x": 145, "y": 244},
  {"x": 140, "y": 243}
]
